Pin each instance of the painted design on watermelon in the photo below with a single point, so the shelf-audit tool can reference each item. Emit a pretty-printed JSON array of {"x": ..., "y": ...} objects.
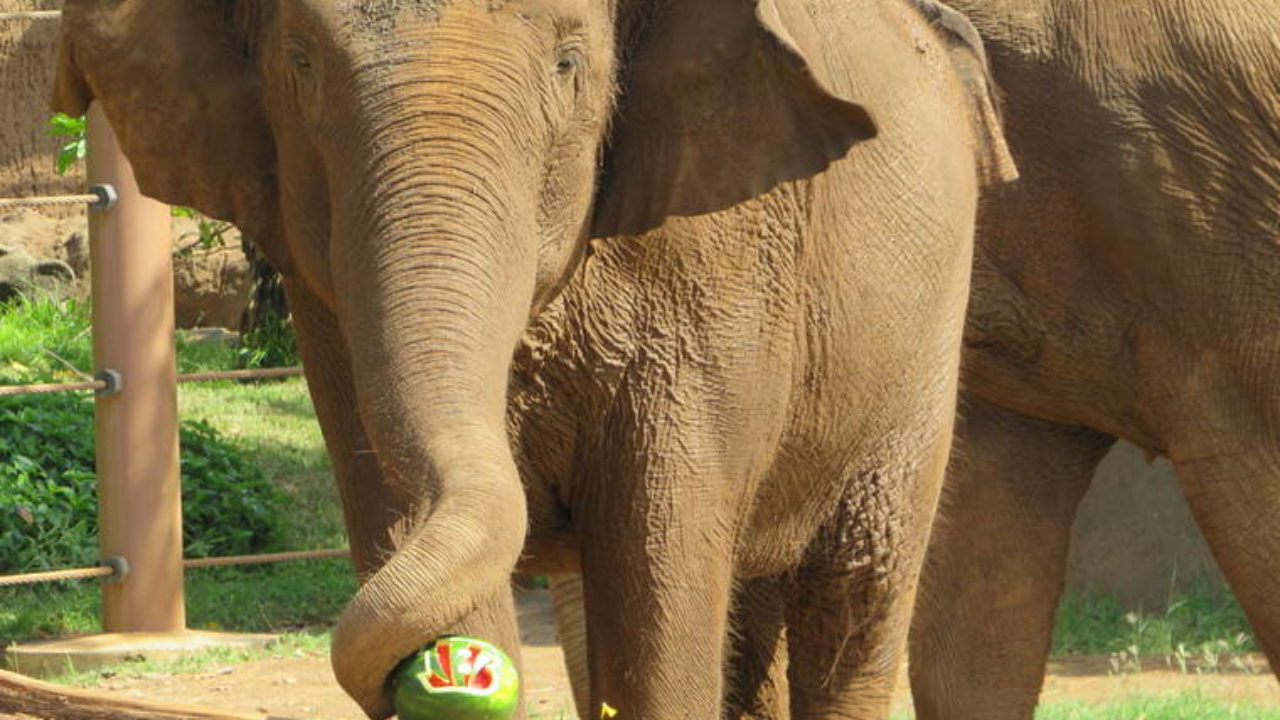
[{"x": 464, "y": 668}]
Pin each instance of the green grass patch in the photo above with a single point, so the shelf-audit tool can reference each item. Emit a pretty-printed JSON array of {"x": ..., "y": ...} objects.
[
  {"x": 45, "y": 340},
  {"x": 1192, "y": 705},
  {"x": 1091, "y": 623},
  {"x": 275, "y": 426},
  {"x": 289, "y": 597},
  {"x": 1175, "y": 706},
  {"x": 288, "y": 645}
]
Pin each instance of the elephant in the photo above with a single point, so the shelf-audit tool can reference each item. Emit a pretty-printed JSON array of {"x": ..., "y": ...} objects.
[
  {"x": 23, "y": 275},
  {"x": 1125, "y": 287},
  {"x": 667, "y": 292}
]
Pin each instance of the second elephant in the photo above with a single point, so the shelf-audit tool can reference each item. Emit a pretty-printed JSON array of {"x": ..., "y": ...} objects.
[{"x": 1126, "y": 287}]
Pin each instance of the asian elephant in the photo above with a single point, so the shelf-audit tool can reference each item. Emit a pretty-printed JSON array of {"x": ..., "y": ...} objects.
[
  {"x": 1126, "y": 287},
  {"x": 680, "y": 282}
]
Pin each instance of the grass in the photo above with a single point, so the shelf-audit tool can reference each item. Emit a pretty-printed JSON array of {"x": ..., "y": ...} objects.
[
  {"x": 274, "y": 425},
  {"x": 1176, "y": 706},
  {"x": 1090, "y": 623},
  {"x": 1172, "y": 706},
  {"x": 287, "y": 645},
  {"x": 47, "y": 340}
]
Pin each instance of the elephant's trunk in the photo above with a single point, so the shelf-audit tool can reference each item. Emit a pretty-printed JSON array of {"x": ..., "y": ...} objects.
[{"x": 434, "y": 281}]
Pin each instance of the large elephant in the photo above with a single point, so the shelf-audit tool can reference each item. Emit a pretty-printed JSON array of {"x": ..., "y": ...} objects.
[
  {"x": 735, "y": 299},
  {"x": 1126, "y": 287}
]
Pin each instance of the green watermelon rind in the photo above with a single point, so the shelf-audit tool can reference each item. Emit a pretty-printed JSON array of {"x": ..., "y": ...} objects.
[{"x": 415, "y": 699}]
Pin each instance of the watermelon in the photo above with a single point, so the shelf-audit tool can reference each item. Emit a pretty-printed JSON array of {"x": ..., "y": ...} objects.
[{"x": 457, "y": 678}]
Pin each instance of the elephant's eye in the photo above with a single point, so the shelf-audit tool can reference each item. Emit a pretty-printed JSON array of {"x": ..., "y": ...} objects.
[
  {"x": 298, "y": 59},
  {"x": 295, "y": 52},
  {"x": 570, "y": 60}
]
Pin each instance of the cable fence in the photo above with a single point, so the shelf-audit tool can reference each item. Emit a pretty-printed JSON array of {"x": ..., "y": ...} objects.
[{"x": 136, "y": 423}]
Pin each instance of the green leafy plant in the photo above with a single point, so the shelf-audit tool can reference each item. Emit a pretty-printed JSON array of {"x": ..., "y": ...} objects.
[
  {"x": 209, "y": 233},
  {"x": 48, "y": 489},
  {"x": 1091, "y": 622},
  {"x": 73, "y": 150},
  {"x": 271, "y": 342}
]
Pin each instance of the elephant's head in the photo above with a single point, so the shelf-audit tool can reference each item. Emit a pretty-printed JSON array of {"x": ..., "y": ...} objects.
[{"x": 432, "y": 169}]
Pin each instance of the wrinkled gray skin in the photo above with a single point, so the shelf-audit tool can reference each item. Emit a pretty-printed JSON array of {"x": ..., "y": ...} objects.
[
  {"x": 1128, "y": 286},
  {"x": 23, "y": 275},
  {"x": 729, "y": 243}
]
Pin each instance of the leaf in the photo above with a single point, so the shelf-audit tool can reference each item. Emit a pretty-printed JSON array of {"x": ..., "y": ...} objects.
[
  {"x": 63, "y": 125},
  {"x": 70, "y": 154},
  {"x": 73, "y": 151}
]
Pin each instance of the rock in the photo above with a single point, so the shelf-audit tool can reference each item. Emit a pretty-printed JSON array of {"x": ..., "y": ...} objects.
[
  {"x": 23, "y": 274},
  {"x": 211, "y": 286}
]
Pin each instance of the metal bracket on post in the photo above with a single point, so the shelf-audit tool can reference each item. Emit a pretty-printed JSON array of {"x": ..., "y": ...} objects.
[
  {"x": 119, "y": 569},
  {"x": 113, "y": 383},
  {"x": 107, "y": 197}
]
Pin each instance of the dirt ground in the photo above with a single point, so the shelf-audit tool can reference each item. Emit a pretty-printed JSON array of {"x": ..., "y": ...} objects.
[{"x": 303, "y": 686}]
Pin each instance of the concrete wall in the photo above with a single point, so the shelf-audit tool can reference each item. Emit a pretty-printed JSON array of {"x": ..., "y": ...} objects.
[
  {"x": 27, "y": 50},
  {"x": 1135, "y": 537}
]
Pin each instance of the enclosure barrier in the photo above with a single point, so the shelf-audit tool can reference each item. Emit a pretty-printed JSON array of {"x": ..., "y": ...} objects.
[
  {"x": 105, "y": 385},
  {"x": 117, "y": 572},
  {"x": 135, "y": 414},
  {"x": 32, "y": 15}
]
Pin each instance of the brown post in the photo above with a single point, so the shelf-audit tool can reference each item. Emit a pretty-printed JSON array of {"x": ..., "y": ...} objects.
[{"x": 139, "y": 497}]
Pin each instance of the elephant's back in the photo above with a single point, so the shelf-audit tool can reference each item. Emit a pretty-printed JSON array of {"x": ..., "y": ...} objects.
[{"x": 1144, "y": 229}]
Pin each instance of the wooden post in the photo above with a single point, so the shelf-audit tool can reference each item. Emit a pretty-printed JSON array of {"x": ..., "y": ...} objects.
[{"x": 139, "y": 496}]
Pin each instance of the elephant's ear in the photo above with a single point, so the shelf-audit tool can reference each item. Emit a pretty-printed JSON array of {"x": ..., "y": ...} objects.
[
  {"x": 178, "y": 82},
  {"x": 969, "y": 57},
  {"x": 718, "y": 104}
]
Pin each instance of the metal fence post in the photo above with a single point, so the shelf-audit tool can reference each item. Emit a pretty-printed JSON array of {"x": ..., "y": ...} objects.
[{"x": 136, "y": 429}]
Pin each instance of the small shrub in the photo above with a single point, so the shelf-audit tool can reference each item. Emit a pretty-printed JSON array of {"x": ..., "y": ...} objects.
[
  {"x": 271, "y": 342},
  {"x": 1090, "y": 622},
  {"x": 48, "y": 490}
]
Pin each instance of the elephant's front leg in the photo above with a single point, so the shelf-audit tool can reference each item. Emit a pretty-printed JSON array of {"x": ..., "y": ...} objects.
[
  {"x": 1234, "y": 500},
  {"x": 657, "y": 560},
  {"x": 756, "y": 673},
  {"x": 372, "y": 509},
  {"x": 850, "y": 607}
]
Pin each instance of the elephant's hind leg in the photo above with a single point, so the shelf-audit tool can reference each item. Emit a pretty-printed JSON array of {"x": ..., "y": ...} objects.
[
  {"x": 984, "y": 620},
  {"x": 571, "y": 630}
]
